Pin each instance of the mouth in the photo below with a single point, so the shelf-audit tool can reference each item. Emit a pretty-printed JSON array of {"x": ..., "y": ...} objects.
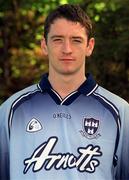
[{"x": 67, "y": 59}]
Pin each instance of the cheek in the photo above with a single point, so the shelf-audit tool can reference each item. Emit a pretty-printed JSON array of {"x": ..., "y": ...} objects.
[
  {"x": 52, "y": 55},
  {"x": 82, "y": 53},
  {"x": 56, "y": 53}
]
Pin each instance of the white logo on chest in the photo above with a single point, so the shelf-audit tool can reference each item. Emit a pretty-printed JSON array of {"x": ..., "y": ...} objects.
[
  {"x": 43, "y": 157},
  {"x": 34, "y": 125}
]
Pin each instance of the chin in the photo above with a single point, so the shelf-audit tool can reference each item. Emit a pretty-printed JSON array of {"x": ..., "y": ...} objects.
[{"x": 68, "y": 72}]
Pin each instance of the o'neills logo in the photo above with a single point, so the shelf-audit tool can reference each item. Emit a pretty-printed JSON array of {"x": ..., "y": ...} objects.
[{"x": 42, "y": 157}]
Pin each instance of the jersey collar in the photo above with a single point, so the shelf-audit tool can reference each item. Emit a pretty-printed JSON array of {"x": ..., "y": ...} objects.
[{"x": 86, "y": 88}]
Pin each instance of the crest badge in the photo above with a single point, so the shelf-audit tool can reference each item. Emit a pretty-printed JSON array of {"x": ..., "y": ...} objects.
[
  {"x": 90, "y": 128},
  {"x": 34, "y": 125}
]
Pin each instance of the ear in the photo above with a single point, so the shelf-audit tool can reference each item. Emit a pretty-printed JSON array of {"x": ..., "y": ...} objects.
[
  {"x": 44, "y": 46},
  {"x": 90, "y": 47}
]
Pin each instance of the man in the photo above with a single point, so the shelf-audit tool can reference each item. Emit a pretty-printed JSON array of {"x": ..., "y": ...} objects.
[{"x": 67, "y": 127}]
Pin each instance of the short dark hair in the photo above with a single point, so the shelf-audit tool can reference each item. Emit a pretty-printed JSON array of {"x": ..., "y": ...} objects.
[{"x": 70, "y": 12}]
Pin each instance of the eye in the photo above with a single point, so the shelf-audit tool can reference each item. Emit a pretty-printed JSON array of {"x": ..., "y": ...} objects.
[
  {"x": 57, "y": 40},
  {"x": 77, "y": 40}
]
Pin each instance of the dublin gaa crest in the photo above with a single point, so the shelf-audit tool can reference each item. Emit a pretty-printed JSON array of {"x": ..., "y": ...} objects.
[{"x": 90, "y": 128}]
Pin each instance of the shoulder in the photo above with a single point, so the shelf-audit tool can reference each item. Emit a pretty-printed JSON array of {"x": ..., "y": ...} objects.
[
  {"x": 110, "y": 98},
  {"x": 20, "y": 94}
]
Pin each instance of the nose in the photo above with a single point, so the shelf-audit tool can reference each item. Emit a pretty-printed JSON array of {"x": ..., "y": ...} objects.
[{"x": 66, "y": 48}]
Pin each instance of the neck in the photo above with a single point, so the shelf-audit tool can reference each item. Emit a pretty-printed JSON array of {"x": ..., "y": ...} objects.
[{"x": 65, "y": 84}]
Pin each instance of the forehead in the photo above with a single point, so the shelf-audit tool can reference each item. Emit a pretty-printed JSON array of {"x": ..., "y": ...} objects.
[{"x": 65, "y": 27}]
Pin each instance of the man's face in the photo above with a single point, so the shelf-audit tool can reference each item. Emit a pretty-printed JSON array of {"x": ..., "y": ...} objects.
[{"x": 67, "y": 46}]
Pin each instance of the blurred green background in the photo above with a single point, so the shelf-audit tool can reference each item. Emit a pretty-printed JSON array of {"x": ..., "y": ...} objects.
[{"x": 21, "y": 27}]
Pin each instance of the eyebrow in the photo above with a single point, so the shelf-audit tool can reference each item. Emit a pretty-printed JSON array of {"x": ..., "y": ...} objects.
[
  {"x": 60, "y": 36},
  {"x": 77, "y": 37},
  {"x": 56, "y": 36}
]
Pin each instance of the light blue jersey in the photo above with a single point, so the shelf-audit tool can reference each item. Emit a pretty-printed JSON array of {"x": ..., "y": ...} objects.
[{"x": 84, "y": 136}]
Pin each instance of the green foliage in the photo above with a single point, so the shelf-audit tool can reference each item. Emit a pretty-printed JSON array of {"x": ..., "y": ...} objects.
[
  {"x": 22, "y": 61},
  {"x": 110, "y": 62}
]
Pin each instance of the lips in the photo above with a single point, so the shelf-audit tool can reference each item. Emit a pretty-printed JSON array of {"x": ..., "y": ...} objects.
[{"x": 67, "y": 59}]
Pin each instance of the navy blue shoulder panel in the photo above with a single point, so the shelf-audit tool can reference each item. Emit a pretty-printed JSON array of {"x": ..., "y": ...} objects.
[
  {"x": 18, "y": 101},
  {"x": 115, "y": 112}
]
